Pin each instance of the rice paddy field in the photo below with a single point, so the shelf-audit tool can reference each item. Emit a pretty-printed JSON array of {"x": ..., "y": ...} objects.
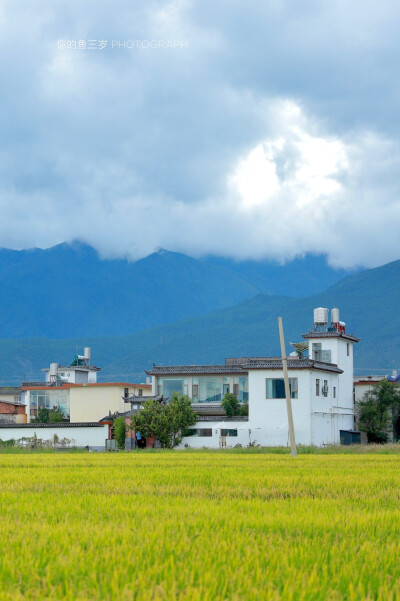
[{"x": 203, "y": 526}]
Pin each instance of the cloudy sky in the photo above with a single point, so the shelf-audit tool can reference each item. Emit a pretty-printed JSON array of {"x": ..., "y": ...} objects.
[{"x": 247, "y": 129}]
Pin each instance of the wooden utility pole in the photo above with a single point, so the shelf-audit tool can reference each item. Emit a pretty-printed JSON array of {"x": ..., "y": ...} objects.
[{"x": 287, "y": 391}]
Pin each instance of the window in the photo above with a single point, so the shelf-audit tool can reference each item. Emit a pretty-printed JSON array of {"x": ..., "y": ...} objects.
[
  {"x": 317, "y": 387},
  {"x": 126, "y": 392},
  {"x": 195, "y": 390},
  {"x": 171, "y": 385},
  {"x": 275, "y": 388},
  {"x": 316, "y": 351},
  {"x": 140, "y": 392},
  {"x": 348, "y": 349},
  {"x": 334, "y": 392},
  {"x": 204, "y": 431},
  {"x": 326, "y": 356},
  {"x": 320, "y": 355},
  {"x": 243, "y": 389},
  {"x": 325, "y": 388},
  {"x": 49, "y": 399},
  {"x": 210, "y": 389},
  {"x": 190, "y": 432},
  {"x": 198, "y": 432},
  {"x": 226, "y": 389},
  {"x": 228, "y": 432},
  {"x": 236, "y": 390}
]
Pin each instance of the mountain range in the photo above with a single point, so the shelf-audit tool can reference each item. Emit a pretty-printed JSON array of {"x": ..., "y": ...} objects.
[
  {"x": 368, "y": 302},
  {"x": 69, "y": 291}
]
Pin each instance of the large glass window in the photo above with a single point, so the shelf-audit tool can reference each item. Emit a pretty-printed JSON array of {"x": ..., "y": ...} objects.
[
  {"x": 243, "y": 389},
  {"x": 48, "y": 399},
  {"x": 210, "y": 389},
  {"x": 171, "y": 385},
  {"x": 275, "y": 388}
]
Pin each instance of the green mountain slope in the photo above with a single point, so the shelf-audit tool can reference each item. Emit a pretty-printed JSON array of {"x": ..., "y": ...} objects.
[
  {"x": 69, "y": 290},
  {"x": 368, "y": 302}
]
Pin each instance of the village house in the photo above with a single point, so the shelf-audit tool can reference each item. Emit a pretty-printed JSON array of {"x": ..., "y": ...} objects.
[
  {"x": 321, "y": 389},
  {"x": 12, "y": 409}
]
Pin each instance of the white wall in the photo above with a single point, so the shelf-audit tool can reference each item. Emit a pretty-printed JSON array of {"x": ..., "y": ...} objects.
[
  {"x": 338, "y": 348},
  {"x": 270, "y": 415},
  {"x": 92, "y": 436},
  {"x": 212, "y": 442}
]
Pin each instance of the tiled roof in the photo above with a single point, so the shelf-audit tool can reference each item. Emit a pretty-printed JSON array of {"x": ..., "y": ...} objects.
[
  {"x": 54, "y": 425},
  {"x": 333, "y": 334},
  {"x": 111, "y": 416},
  {"x": 135, "y": 398},
  {"x": 75, "y": 368},
  {"x": 15, "y": 403},
  {"x": 161, "y": 370},
  {"x": 250, "y": 363},
  {"x": 293, "y": 364},
  {"x": 43, "y": 386},
  {"x": 208, "y": 409},
  {"x": 209, "y": 418},
  {"x": 124, "y": 384},
  {"x": 256, "y": 363}
]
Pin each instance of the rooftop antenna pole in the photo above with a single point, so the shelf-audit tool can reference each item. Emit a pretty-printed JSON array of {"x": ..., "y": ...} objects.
[{"x": 287, "y": 391}]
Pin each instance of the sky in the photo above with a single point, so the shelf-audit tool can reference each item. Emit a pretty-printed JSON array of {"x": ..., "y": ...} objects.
[{"x": 267, "y": 129}]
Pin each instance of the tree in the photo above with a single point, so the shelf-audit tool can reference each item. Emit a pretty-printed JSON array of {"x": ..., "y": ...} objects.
[
  {"x": 56, "y": 415},
  {"x": 379, "y": 410},
  {"x": 42, "y": 417},
  {"x": 244, "y": 409},
  {"x": 120, "y": 432},
  {"x": 166, "y": 422},
  {"x": 231, "y": 405}
]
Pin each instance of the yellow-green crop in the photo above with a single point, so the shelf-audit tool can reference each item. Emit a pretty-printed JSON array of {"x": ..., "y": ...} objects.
[{"x": 199, "y": 526}]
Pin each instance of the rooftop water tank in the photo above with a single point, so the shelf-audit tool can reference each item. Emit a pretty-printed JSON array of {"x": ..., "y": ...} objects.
[
  {"x": 321, "y": 316},
  {"x": 53, "y": 369},
  {"x": 335, "y": 316}
]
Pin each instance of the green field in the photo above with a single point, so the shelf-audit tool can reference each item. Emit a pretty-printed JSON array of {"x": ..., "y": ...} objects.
[{"x": 204, "y": 526}]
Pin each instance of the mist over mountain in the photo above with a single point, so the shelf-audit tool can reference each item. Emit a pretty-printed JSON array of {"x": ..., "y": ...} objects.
[{"x": 69, "y": 291}]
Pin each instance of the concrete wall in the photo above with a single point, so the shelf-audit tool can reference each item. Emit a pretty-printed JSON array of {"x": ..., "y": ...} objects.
[
  {"x": 338, "y": 348},
  {"x": 361, "y": 386},
  {"x": 94, "y": 401},
  {"x": 270, "y": 415},
  {"x": 91, "y": 403},
  {"x": 212, "y": 442},
  {"x": 92, "y": 436}
]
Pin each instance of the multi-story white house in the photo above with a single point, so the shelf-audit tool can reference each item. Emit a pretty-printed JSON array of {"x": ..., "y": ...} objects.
[{"x": 321, "y": 390}]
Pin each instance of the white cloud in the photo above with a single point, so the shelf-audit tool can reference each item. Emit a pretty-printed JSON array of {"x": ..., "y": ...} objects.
[{"x": 274, "y": 133}]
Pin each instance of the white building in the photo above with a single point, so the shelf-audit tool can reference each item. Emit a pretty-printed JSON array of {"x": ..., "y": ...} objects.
[
  {"x": 321, "y": 389},
  {"x": 80, "y": 371}
]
